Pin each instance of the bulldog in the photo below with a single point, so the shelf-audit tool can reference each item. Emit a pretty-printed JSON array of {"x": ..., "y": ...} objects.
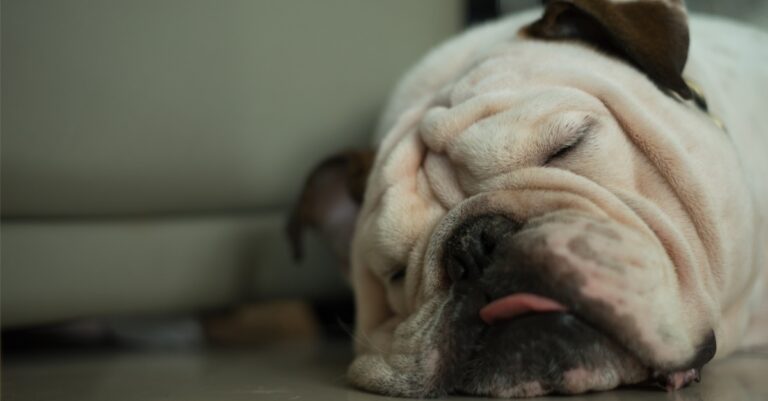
[{"x": 558, "y": 202}]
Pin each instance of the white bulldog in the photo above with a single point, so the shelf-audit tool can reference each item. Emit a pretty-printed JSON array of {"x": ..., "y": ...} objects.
[{"x": 553, "y": 206}]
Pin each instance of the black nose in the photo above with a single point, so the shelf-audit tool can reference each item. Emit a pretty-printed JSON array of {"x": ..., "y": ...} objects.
[{"x": 470, "y": 248}]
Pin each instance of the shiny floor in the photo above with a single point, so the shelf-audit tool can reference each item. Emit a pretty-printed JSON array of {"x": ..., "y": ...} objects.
[{"x": 296, "y": 372}]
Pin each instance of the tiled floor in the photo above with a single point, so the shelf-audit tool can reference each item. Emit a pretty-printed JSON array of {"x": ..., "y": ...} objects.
[{"x": 298, "y": 372}]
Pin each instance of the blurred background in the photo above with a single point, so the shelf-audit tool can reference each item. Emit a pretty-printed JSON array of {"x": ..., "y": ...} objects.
[{"x": 152, "y": 149}]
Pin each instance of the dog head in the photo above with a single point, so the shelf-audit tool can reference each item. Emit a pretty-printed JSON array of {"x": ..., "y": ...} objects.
[{"x": 548, "y": 221}]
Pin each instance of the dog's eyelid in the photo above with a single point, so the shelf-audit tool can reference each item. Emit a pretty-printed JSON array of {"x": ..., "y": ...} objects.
[
  {"x": 398, "y": 274},
  {"x": 564, "y": 149},
  {"x": 577, "y": 138}
]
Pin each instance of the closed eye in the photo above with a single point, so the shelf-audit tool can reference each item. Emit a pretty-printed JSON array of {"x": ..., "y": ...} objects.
[
  {"x": 565, "y": 149},
  {"x": 397, "y": 276},
  {"x": 577, "y": 135}
]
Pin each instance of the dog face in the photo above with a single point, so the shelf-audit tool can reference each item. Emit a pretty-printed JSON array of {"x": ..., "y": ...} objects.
[{"x": 539, "y": 224}]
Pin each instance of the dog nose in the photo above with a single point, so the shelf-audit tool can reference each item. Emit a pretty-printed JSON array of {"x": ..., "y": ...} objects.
[{"x": 470, "y": 247}]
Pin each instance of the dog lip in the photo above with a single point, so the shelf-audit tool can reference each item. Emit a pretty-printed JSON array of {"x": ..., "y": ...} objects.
[{"x": 513, "y": 305}]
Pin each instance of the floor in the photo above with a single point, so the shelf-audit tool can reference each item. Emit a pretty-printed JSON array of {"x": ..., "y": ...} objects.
[{"x": 297, "y": 372}]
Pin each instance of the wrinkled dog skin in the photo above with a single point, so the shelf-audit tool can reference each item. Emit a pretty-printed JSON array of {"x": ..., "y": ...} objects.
[{"x": 551, "y": 207}]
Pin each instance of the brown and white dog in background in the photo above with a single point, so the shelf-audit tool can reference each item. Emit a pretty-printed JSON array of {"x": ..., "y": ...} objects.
[{"x": 555, "y": 207}]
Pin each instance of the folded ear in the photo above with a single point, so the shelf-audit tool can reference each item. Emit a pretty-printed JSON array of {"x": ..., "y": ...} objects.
[
  {"x": 650, "y": 34},
  {"x": 330, "y": 202}
]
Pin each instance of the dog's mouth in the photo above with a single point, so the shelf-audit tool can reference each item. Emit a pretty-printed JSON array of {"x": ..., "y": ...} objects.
[
  {"x": 533, "y": 345},
  {"x": 521, "y": 327},
  {"x": 520, "y": 319},
  {"x": 514, "y": 305},
  {"x": 527, "y": 344}
]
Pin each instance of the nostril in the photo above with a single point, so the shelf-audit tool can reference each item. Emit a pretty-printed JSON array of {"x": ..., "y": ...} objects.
[
  {"x": 476, "y": 254},
  {"x": 456, "y": 270},
  {"x": 488, "y": 241},
  {"x": 469, "y": 249}
]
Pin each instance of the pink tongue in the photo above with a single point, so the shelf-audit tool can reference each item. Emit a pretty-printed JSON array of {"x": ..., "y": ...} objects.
[{"x": 517, "y": 304}]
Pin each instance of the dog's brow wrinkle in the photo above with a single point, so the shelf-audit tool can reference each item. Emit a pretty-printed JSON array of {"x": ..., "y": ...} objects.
[{"x": 441, "y": 178}]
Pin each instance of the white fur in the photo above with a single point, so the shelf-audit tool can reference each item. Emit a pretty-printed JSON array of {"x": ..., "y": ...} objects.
[{"x": 465, "y": 130}]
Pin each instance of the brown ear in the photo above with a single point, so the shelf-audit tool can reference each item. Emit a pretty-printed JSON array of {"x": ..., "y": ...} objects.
[
  {"x": 650, "y": 34},
  {"x": 330, "y": 201}
]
